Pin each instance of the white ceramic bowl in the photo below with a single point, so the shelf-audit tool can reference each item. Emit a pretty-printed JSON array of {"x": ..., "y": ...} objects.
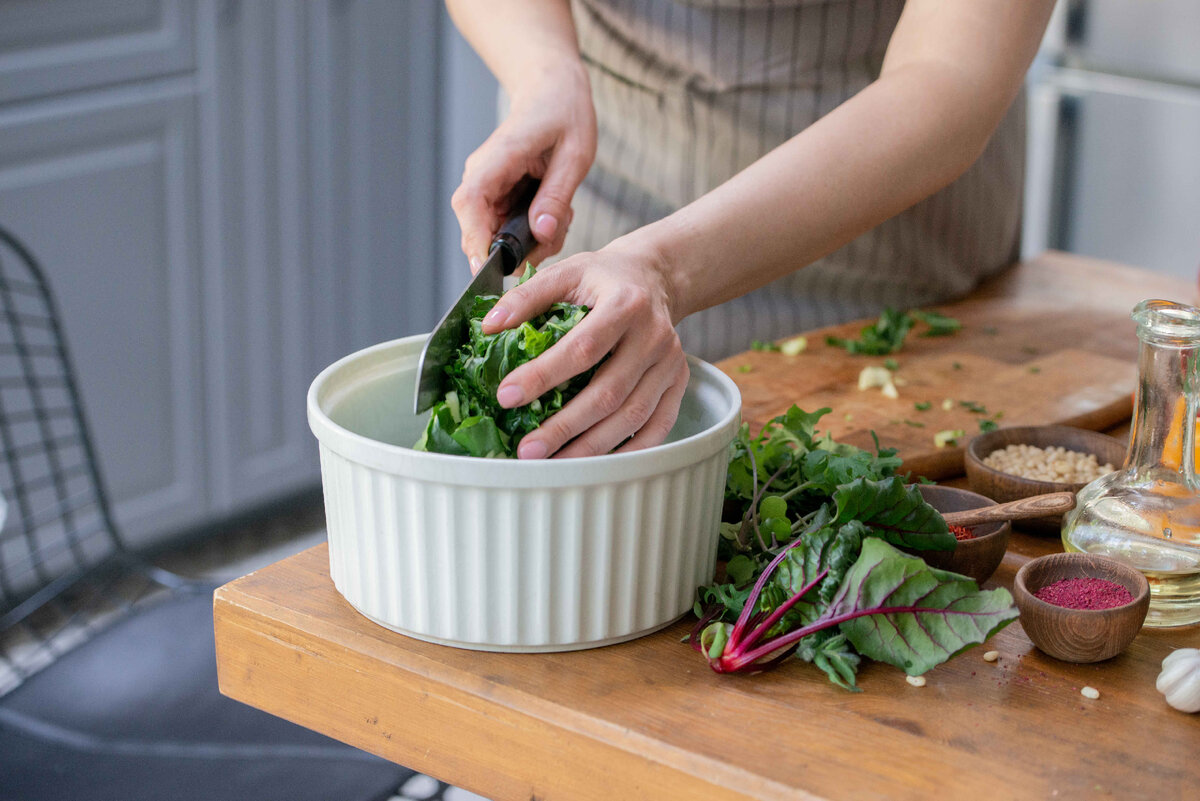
[{"x": 506, "y": 555}]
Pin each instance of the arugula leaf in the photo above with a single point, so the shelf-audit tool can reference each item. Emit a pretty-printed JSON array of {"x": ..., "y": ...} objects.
[{"x": 918, "y": 616}]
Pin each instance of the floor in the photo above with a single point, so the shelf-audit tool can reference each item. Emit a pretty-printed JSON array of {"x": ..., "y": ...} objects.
[{"x": 247, "y": 548}]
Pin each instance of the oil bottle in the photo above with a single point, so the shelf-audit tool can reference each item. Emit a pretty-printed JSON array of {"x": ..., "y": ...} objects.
[{"x": 1148, "y": 512}]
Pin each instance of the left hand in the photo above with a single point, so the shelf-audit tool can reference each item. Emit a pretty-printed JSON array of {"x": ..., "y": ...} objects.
[{"x": 635, "y": 394}]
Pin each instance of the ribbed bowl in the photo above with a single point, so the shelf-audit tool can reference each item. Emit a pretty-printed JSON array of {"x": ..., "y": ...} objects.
[{"x": 506, "y": 555}]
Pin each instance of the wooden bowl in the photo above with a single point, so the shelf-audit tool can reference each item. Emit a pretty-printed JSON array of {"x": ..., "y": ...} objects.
[
  {"x": 1080, "y": 635},
  {"x": 1003, "y": 487},
  {"x": 976, "y": 558}
]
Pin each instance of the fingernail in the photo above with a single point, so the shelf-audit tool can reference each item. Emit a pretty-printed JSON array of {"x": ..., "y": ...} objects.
[
  {"x": 532, "y": 450},
  {"x": 545, "y": 226},
  {"x": 475, "y": 264},
  {"x": 510, "y": 396},
  {"x": 497, "y": 316}
]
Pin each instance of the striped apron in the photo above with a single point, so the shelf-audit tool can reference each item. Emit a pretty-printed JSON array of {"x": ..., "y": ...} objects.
[{"x": 689, "y": 92}]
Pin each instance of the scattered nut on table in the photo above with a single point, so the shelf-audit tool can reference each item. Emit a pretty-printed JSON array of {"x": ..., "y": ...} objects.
[
  {"x": 991, "y": 656},
  {"x": 916, "y": 681},
  {"x": 1090, "y": 692}
]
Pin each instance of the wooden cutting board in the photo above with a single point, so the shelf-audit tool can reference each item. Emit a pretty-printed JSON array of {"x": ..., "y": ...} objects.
[{"x": 1047, "y": 354}]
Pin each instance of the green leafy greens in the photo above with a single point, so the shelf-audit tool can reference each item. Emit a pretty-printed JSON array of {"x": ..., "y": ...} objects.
[
  {"x": 813, "y": 537},
  {"x": 887, "y": 334},
  {"x": 469, "y": 421}
]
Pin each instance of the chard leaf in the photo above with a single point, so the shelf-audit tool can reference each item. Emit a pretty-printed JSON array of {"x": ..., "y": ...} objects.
[
  {"x": 480, "y": 436},
  {"x": 833, "y": 654},
  {"x": 894, "y": 512},
  {"x": 905, "y": 613},
  {"x": 479, "y": 366}
]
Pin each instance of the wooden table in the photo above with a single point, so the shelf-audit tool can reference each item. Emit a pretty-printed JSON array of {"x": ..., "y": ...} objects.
[{"x": 649, "y": 720}]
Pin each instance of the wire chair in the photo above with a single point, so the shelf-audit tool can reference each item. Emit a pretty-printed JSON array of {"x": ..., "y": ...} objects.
[{"x": 107, "y": 671}]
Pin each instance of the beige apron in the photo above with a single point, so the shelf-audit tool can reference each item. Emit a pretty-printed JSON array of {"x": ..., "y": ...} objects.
[{"x": 689, "y": 93}]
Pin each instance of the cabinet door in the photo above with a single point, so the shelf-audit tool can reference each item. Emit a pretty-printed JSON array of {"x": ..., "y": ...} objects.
[
  {"x": 49, "y": 47},
  {"x": 102, "y": 188},
  {"x": 322, "y": 237}
]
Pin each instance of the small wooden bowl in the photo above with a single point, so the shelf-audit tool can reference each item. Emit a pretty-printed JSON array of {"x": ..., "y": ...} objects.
[
  {"x": 1080, "y": 635},
  {"x": 976, "y": 558},
  {"x": 1003, "y": 487}
]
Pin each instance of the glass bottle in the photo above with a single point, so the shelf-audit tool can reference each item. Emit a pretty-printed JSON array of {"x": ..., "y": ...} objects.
[{"x": 1148, "y": 512}]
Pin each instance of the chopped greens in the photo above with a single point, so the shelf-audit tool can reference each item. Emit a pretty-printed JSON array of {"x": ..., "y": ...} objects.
[
  {"x": 939, "y": 324},
  {"x": 949, "y": 436},
  {"x": 764, "y": 346},
  {"x": 922, "y": 406},
  {"x": 814, "y": 567},
  {"x": 988, "y": 425},
  {"x": 891, "y": 364},
  {"x": 469, "y": 421},
  {"x": 886, "y": 335}
]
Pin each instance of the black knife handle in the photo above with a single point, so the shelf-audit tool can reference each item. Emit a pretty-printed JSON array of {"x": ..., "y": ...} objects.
[{"x": 514, "y": 238}]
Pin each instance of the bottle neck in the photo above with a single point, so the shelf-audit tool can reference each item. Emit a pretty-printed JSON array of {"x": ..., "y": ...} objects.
[{"x": 1163, "y": 437}]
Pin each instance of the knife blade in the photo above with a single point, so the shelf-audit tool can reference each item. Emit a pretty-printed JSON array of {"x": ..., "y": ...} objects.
[{"x": 509, "y": 248}]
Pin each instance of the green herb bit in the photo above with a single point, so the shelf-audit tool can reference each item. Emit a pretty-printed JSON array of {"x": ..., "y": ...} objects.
[
  {"x": 939, "y": 324},
  {"x": 891, "y": 364},
  {"x": 1035, "y": 369},
  {"x": 955, "y": 366},
  {"x": 988, "y": 425},
  {"x": 764, "y": 346},
  {"x": 973, "y": 407},
  {"x": 745, "y": 368},
  {"x": 884, "y": 336},
  {"x": 914, "y": 424},
  {"x": 922, "y": 406}
]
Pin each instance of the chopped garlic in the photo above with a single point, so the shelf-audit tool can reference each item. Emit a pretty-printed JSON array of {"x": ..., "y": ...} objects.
[
  {"x": 875, "y": 376},
  {"x": 949, "y": 436},
  {"x": 794, "y": 346},
  {"x": 1090, "y": 692},
  {"x": 916, "y": 681},
  {"x": 947, "y": 404}
]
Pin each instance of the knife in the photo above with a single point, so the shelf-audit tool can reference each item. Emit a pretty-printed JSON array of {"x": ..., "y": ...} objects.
[{"x": 509, "y": 248}]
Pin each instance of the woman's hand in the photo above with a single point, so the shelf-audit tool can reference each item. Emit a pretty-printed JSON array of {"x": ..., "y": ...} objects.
[
  {"x": 633, "y": 399},
  {"x": 550, "y": 134}
]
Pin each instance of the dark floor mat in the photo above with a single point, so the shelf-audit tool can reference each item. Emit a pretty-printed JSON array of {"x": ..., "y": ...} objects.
[{"x": 135, "y": 714}]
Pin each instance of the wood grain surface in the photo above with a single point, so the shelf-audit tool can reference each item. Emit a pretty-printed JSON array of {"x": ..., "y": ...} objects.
[
  {"x": 649, "y": 720},
  {"x": 1049, "y": 343}
]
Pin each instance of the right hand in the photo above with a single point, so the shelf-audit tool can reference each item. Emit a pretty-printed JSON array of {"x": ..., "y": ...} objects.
[{"x": 550, "y": 134}]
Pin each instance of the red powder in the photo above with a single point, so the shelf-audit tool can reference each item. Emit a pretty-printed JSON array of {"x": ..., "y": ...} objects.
[
  {"x": 962, "y": 533},
  {"x": 1085, "y": 593}
]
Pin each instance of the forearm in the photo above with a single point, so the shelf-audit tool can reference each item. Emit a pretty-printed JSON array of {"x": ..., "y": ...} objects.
[
  {"x": 901, "y": 139},
  {"x": 517, "y": 38}
]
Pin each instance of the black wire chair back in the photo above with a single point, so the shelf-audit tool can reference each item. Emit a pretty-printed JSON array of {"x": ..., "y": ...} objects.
[{"x": 62, "y": 560}]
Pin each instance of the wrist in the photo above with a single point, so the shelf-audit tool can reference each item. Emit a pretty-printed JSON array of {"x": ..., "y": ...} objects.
[{"x": 658, "y": 246}]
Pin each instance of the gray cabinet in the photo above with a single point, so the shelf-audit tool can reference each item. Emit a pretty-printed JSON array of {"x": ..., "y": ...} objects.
[{"x": 226, "y": 196}]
